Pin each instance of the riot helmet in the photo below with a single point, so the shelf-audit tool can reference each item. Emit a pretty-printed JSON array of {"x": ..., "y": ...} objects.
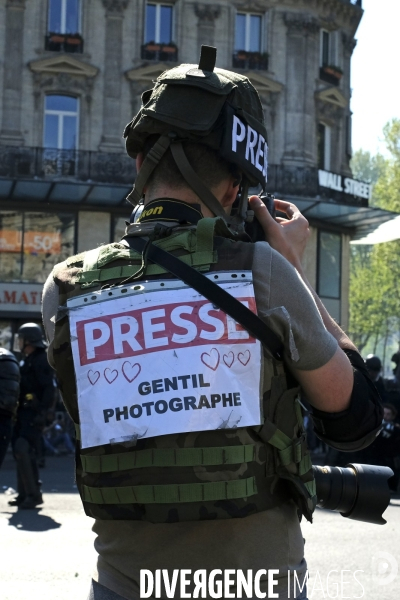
[
  {"x": 373, "y": 363},
  {"x": 205, "y": 105},
  {"x": 9, "y": 381},
  {"x": 31, "y": 334}
]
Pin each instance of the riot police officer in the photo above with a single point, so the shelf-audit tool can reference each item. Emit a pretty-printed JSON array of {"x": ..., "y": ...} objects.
[
  {"x": 36, "y": 396},
  {"x": 9, "y": 394}
]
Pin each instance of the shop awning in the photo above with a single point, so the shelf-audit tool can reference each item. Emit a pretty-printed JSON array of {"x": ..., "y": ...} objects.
[
  {"x": 88, "y": 193},
  {"x": 361, "y": 221},
  {"x": 386, "y": 232}
]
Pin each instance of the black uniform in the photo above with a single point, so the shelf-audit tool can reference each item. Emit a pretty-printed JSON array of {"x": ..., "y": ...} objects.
[
  {"x": 36, "y": 396},
  {"x": 9, "y": 394}
]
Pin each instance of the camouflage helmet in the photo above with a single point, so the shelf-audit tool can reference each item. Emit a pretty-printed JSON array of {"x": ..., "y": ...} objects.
[{"x": 206, "y": 105}]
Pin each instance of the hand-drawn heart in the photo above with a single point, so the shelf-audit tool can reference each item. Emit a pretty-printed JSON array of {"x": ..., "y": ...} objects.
[
  {"x": 93, "y": 376},
  {"x": 228, "y": 359},
  {"x": 244, "y": 357},
  {"x": 129, "y": 371},
  {"x": 211, "y": 360},
  {"x": 110, "y": 376}
]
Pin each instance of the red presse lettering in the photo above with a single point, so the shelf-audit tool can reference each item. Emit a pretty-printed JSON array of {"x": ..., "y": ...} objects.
[{"x": 144, "y": 330}]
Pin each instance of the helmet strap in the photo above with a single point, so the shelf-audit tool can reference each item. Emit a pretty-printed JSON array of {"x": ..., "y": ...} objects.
[
  {"x": 152, "y": 159},
  {"x": 194, "y": 181}
]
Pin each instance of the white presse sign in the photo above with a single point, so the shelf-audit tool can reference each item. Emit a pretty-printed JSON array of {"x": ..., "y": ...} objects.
[{"x": 164, "y": 362}]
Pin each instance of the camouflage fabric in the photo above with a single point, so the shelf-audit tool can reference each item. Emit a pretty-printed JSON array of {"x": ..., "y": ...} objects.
[{"x": 271, "y": 472}]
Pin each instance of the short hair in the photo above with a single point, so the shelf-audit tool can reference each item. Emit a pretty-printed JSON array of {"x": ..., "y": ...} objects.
[
  {"x": 206, "y": 162},
  {"x": 390, "y": 407}
]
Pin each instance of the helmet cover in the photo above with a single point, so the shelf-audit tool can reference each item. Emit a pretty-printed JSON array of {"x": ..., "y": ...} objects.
[{"x": 216, "y": 107}]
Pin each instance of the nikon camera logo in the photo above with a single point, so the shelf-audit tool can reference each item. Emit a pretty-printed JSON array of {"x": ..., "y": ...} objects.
[{"x": 154, "y": 211}]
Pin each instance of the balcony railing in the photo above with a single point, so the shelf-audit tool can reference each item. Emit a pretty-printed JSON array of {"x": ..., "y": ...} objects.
[
  {"x": 330, "y": 74},
  {"x": 304, "y": 181},
  {"x": 75, "y": 165},
  {"x": 251, "y": 61},
  {"x": 54, "y": 165},
  {"x": 64, "y": 42},
  {"x": 159, "y": 52}
]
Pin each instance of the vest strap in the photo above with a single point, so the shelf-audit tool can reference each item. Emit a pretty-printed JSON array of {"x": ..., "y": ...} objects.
[
  {"x": 171, "y": 494},
  {"x": 205, "y": 233},
  {"x": 169, "y": 457},
  {"x": 91, "y": 258},
  {"x": 200, "y": 260}
]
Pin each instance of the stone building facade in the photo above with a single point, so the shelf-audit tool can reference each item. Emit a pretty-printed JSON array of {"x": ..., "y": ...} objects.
[{"x": 72, "y": 75}]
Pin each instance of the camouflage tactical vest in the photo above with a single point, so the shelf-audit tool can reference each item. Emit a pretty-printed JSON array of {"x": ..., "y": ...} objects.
[{"x": 193, "y": 476}]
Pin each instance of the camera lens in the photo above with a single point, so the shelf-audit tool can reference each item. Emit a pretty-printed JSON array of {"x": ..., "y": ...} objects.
[{"x": 358, "y": 492}]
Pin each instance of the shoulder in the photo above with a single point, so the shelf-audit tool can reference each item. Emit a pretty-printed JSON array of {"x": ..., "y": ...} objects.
[
  {"x": 40, "y": 362},
  {"x": 71, "y": 262}
]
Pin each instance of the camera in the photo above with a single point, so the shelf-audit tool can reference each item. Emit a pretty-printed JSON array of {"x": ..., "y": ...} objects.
[
  {"x": 253, "y": 228},
  {"x": 358, "y": 492}
]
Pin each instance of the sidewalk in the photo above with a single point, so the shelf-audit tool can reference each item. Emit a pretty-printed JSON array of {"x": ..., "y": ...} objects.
[{"x": 47, "y": 553}]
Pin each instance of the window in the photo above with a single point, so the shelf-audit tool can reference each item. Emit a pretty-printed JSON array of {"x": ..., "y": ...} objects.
[
  {"x": 324, "y": 147},
  {"x": 64, "y": 16},
  {"x": 158, "y": 27},
  {"x": 324, "y": 48},
  {"x": 248, "y": 32},
  {"x": 61, "y": 122},
  {"x": 329, "y": 271},
  {"x": 349, "y": 151},
  {"x": 329, "y": 48},
  {"x": 32, "y": 243}
]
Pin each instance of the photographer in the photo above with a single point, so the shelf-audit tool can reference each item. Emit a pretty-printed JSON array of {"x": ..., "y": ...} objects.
[{"x": 187, "y": 179}]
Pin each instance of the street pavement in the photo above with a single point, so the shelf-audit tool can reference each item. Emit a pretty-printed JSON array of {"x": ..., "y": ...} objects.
[{"x": 48, "y": 554}]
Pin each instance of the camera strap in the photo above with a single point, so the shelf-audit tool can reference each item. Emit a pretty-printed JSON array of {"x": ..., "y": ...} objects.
[{"x": 210, "y": 290}]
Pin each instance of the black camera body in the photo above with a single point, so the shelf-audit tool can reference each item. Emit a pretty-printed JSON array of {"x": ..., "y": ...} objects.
[{"x": 253, "y": 228}]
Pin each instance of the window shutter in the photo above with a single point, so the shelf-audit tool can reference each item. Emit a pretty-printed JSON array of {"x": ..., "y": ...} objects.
[{"x": 334, "y": 48}]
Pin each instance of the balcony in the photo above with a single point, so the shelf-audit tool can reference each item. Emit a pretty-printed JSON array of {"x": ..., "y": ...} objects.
[
  {"x": 159, "y": 52},
  {"x": 53, "y": 164},
  {"x": 64, "y": 42},
  {"x": 250, "y": 61},
  {"x": 330, "y": 74},
  {"x": 65, "y": 176}
]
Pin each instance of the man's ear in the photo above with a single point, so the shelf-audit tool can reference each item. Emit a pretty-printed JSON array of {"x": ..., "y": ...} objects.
[
  {"x": 230, "y": 192},
  {"x": 139, "y": 161}
]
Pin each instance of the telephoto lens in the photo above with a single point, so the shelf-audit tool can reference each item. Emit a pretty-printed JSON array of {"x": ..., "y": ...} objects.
[{"x": 358, "y": 492}]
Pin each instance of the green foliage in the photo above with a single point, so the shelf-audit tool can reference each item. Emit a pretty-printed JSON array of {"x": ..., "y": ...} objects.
[
  {"x": 366, "y": 167},
  {"x": 375, "y": 270}
]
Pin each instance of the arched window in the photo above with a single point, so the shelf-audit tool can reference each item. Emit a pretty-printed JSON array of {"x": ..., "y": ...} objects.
[
  {"x": 64, "y": 16},
  {"x": 61, "y": 117}
]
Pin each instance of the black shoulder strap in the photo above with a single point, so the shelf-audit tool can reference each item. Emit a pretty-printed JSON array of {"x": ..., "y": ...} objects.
[{"x": 210, "y": 290}]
